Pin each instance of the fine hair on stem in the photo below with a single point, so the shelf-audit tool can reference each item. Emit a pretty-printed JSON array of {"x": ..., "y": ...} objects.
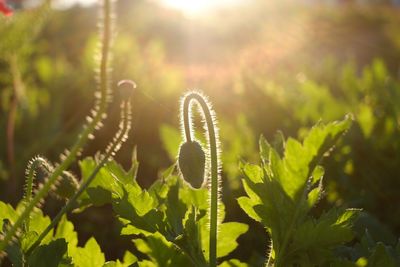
[{"x": 192, "y": 154}]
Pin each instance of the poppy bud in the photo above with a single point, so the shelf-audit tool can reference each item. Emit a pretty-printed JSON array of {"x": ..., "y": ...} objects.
[
  {"x": 192, "y": 163},
  {"x": 67, "y": 186},
  {"x": 126, "y": 88}
]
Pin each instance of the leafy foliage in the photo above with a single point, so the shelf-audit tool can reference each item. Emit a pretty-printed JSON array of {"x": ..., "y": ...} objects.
[
  {"x": 169, "y": 218},
  {"x": 282, "y": 191}
]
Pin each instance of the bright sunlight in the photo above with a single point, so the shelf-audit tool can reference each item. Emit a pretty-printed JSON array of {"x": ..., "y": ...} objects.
[{"x": 198, "y": 7}]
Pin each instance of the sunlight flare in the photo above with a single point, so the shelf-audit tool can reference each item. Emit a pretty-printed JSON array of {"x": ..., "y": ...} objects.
[{"x": 198, "y": 7}]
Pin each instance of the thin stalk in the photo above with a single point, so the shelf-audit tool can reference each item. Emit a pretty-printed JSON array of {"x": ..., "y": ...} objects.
[
  {"x": 214, "y": 163},
  {"x": 33, "y": 165},
  {"x": 115, "y": 145},
  {"x": 83, "y": 137}
]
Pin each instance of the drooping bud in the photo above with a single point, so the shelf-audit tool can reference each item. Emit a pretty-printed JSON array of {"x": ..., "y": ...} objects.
[
  {"x": 67, "y": 186},
  {"x": 192, "y": 163},
  {"x": 126, "y": 88}
]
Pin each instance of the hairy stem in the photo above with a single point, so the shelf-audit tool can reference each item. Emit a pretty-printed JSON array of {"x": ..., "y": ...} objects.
[
  {"x": 214, "y": 167},
  {"x": 111, "y": 149},
  {"x": 33, "y": 166}
]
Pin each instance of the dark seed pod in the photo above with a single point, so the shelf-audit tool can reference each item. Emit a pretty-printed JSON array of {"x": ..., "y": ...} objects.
[{"x": 192, "y": 163}]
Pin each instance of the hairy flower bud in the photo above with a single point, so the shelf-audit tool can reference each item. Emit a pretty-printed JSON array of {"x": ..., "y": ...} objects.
[
  {"x": 67, "y": 186},
  {"x": 126, "y": 88},
  {"x": 192, "y": 163}
]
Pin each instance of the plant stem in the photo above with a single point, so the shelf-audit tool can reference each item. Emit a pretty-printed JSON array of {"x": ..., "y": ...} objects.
[
  {"x": 213, "y": 149},
  {"x": 119, "y": 138},
  {"x": 33, "y": 165}
]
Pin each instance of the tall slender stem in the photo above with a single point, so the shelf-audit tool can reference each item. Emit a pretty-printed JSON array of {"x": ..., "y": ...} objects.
[
  {"x": 115, "y": 145},
  {"x": 33, "y": 166},
  {"x": 214, "y": 167}
]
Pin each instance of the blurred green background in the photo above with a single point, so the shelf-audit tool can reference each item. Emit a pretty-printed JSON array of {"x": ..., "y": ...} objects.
[{"x": 269, "y": 67}]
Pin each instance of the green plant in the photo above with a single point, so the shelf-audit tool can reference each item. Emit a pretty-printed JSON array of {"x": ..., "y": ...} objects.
[
  {"x": 172, "y": 213},
  {"x": 168, "y": 221},
  {"x": 191, "y": 160},
  {"x": 282, "y": 191}
]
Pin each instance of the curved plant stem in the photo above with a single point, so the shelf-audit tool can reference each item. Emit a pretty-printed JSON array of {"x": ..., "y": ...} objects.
[
  {"x": 114, "y": 146},
  {"x": 94, "y": 123},
  {"x": 33, "y": 166},
  {"x": 214, "y": 161}
]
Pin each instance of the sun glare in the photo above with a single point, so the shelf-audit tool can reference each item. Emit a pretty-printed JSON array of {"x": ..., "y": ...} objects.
[{"x": 198, "y": 7}]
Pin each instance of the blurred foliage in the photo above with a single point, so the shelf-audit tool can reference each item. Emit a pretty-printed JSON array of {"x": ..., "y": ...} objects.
[{"x": 267, "y": 66}]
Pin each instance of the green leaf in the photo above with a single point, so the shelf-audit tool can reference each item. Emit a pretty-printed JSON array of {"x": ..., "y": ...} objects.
[
  {"x": 98, "y": 193},
  {"x": 317, "y": 174},
  {"x": 171, "y": 139},
  {"x": 110, "y": 179},
  {"x": 248, "y": 206},
  {"x": 227, "y": 236},
  {"x": 301, "y": 159},
  {"x": 88, "y": 256},
  {"x": 381, "y": 257},
  {"x": 133, "y": 201},
  {"x": 129, "y": 259},
  {"x": 15, "y": 254},
  {"x": 27, "y": 240},
  {"x": 7, "y": 212},
  {"x": 228, "y": 233},
  {"x": 314, "y": 238},
  {"x": 233, "y": 263},
  {"x": 65, "y": 230},
  {"x": 118, "y": 172},
  {"x": 49, "y": 255},
  {"x": 175, "y": 211},
  {"x": 195, "y": 197},
  {"x": 38, "y": 223},
  {"x": 191, "y": 240},
  {"x": 128, "y": 262},
  {"x": 332, "y": 228},
  {"x": 314, "y": 195},
  {"x": 265, "y": 149},
  {"x": 161, "y": 251},
  {"x": 253, "y": 172}
]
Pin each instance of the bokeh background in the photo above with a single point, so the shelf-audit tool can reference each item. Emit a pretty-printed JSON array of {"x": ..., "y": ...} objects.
[{"x": 269, "y": 67}]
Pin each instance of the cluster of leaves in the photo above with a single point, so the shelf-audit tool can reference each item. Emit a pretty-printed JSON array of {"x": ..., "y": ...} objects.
[
  {"x": 58, "y": 248},
  {"x": 281, "y": 193},
  {"x": 167, "y": 223},
  {"x": 169, "y": 220},
  {"x": 367, "y": 162}
]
